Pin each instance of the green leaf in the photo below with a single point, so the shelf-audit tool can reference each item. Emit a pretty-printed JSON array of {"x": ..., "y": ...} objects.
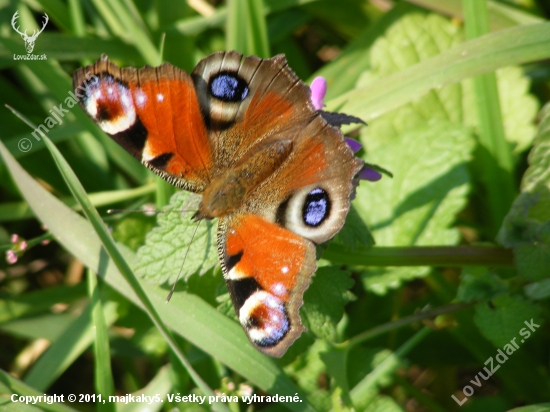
[
  {"x": 324, "y": 301},
  {"x": 417, "y": 206},
  {"x": 478, "y": 284},
  {"x": 533, "y": 261},
  {"x": 503, "y": 322},
  {"x": 133, "y": 229},
  {"x": 172, "y": 242},
  {"x": 355, "y": 233},
  {"x": 527, "y": 225},
  {"x": 307, "y": 370},
  {"x": 538, "y": 290},
  {"x": 335, "y": 361}
]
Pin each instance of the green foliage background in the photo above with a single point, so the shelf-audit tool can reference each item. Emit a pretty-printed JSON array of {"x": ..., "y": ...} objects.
[{"x": 454, "y": 94}]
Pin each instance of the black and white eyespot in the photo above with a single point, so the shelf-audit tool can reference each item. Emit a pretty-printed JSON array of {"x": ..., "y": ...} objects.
[
  {"x": 223, "y": 85},
  {"x": 316, "y": 207},
  {"x": 228, "y": 87},
  {"x": 264, "y": 318},
  {"x": 315, "y": 212},
  {"x": 110, "y": 103}
]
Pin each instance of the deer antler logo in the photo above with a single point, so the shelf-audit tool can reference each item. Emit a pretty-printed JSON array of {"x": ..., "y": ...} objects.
[{"x": 29, "y": 40}]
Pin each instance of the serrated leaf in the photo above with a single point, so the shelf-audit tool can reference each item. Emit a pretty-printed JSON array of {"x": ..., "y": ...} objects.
[
  {"x": 417, "y": 206},
  {"x": 417, "y": 37},
  {"x": 324, "y": 301},
  {"x": 478, "y": 284},
  {"x": 166, "y": 246},
  {"x": 533, "y": 261},
  {"x": 503, "y": 322},
  {"x": 527, "y": 225},
  {"x": 519, "y": 108}
]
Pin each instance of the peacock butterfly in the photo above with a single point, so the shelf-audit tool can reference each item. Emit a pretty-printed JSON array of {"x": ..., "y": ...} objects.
[{"x": 276, "y": 172}]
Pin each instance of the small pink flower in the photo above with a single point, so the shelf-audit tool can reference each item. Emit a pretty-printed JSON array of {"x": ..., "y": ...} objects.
[
  {"x": 318, "y": 91},
  {"x": 14, "y": 238},
  {"x": 11, "y": 257}
]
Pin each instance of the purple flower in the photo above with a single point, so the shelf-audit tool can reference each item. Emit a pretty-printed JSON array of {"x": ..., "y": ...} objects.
[
  {"x": 354, "y": 144},
  {"x": 369, "y": 174}
]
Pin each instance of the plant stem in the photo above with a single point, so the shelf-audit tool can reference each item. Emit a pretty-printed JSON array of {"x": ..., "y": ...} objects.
[
  {"x": 407, "y": 320},
  {"x": 421, "y": 256}
]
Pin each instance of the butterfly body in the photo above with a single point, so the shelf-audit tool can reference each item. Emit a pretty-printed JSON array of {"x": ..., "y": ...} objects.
[{"x": 243, "y": 133}]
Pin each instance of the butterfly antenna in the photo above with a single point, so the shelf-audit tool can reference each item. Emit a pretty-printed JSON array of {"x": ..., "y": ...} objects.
[{"x": 182, "y": 263}]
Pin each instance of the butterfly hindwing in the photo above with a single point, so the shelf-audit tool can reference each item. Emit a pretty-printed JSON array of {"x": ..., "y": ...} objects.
[{"x": 267, "y": 269}]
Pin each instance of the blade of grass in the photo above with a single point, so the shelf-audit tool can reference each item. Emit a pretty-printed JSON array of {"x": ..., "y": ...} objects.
[
  {"x": 495, "y": 158},
  {"x": 78, "y": 24},
  {"x": 507, "y": 47},
  {"x": 161, "y": 384},
  {"x": 20, "y": 210},
  {"x": 187, "y": 314},
  {"x": 108, "y": 242},
  {"x": 56, "y": 10},
  {"x": 132, "y": 30},
  {"x": 196, "y": 25},
  {"x": 387, "y": 366},
  {"x": 66, "y": 349},
  {"x": 64, "y": 47},
  {"x": 246, "y": 28},
  {"x": 103, "y": 375},
  {"x": 501, "y": 16},
  {"x": 34, "y": 302},
  {"x": 9, "y": 384}
]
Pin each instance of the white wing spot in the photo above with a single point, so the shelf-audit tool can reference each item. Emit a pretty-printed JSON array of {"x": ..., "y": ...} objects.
[{"x": 160, "y": 97}]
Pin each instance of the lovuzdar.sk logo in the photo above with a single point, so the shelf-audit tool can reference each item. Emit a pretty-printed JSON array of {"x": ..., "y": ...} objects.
[{"x": 29, "y": 40}]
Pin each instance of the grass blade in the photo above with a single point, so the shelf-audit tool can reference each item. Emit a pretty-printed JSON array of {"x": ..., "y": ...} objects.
[
  {"x": 187, "y": 314},
  {"x": 104, "y": 384},
  {"x": 246, "y": 28},
  {"x": 495, "y": 158},
  {"x": 508, "y": 47}
]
